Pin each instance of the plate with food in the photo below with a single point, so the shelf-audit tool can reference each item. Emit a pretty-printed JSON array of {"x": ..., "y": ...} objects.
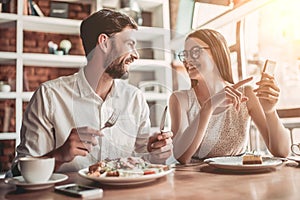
[
  {"x": 246, "y": 163},
  {"x": 125, "y": 171}
]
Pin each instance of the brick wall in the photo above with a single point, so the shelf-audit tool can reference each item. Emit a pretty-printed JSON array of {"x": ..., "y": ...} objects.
[
  {"x": 7, "y": 153},
  {"x": 7, "y": 116},
  {"x": 34, "y": 76},
  {"x": 8, "y": 37},
  {"x": 34, "y": 42}
]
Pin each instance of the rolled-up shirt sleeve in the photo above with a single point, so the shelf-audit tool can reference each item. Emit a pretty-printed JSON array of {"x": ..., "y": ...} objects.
[{"x": 37, "y": 132}]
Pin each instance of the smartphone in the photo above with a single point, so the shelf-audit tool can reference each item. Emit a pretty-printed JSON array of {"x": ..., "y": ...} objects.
[
  {"x": 269, "y": 67},
  {"x": 77, "y": 190}
]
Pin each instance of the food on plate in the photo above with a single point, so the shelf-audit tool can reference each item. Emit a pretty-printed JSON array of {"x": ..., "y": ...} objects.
[
  {"x": 125, "y": 167},
  {"x": 252, "y": 159}
]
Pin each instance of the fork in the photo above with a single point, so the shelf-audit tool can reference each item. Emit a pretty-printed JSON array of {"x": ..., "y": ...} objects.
[
  {"x": 109, "y": 123},
  {"x": 111, "y": 120}
]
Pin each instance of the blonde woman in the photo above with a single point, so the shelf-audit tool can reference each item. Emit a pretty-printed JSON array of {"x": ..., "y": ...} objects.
[{"x": 212, "y": 118}]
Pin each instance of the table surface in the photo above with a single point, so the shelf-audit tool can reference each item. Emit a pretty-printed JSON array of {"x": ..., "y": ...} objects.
[{"x": 195, "y": 181}]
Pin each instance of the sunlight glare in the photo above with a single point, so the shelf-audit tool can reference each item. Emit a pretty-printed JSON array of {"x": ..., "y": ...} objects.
[{"x": 286, "y": 15}]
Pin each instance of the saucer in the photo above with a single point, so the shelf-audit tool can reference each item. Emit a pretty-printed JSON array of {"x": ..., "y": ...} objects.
[
  {"x": 294, "y": 158},
  {"x": 19, "y": 181}
]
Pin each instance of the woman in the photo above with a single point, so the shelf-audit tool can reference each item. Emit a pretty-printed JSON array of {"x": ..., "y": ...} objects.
[{"x": 212, "y": 118}]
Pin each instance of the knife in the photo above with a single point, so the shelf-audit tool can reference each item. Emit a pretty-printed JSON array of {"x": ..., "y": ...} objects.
[{"x": 163, "y": 119}]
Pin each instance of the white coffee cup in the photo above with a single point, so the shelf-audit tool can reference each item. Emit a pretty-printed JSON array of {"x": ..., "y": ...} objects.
[{"x": 36, "y": 170}]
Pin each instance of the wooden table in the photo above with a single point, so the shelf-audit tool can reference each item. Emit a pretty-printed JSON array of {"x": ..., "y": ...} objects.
[{"x": 193, "y": 182}]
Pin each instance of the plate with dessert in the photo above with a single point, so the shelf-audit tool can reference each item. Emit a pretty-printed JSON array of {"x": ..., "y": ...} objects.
[
  {"x": 125, "y": 171},
  {"x": 245, "y": 163}
]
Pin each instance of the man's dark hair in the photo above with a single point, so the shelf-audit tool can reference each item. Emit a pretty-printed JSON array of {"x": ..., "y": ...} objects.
[{"x": 103, "y": 21}]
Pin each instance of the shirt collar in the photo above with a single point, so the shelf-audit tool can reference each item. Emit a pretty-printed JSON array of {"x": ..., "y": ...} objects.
[{"x": 85, "y": 89}]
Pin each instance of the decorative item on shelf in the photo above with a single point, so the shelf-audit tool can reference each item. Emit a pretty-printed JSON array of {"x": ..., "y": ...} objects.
[
  {"x": 65, "y": 45},
  {"x": 132, "y": 8},
  {"x": 4, "y": 87},
  {"x": 59, "y": 52},
  {"x": 52, "y": 47},
  {"x": 59, "y": 9}
]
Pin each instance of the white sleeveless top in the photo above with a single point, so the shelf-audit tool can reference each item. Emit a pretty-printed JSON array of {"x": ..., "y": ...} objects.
[{"x": 227, "y": 132}]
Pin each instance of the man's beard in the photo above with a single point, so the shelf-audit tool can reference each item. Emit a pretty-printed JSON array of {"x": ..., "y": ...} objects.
[{"x": 117, "y": 70}]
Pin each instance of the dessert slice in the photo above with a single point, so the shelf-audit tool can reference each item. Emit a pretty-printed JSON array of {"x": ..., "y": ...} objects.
[{"x": 252, "y": 159}]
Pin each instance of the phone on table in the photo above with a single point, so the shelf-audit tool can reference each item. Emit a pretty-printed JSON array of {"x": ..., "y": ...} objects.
[
  {"x": 269, "y": 67},
  {"x": 83, "y": 191}
]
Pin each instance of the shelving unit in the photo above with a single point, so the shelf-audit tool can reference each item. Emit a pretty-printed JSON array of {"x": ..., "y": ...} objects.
[{"x": 158, "y": 36}]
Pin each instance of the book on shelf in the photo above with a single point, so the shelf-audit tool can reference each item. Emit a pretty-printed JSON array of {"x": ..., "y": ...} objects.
[
  {"x": 25, "y": 7},
  {"x": 30, "y": 8},
  {"x": 37, "y": 9},
  {"x": 8, "y": 6},
  {"x": 34, "y": 9}
]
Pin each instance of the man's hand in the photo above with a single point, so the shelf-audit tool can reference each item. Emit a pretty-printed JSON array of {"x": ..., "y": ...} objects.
[
  {"x": 160, "y": 146},
  {"x": 79, "y": 143}
]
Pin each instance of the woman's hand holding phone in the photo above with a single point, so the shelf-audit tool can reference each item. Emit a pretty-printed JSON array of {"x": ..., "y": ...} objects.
[
  {"x": 269, "y": 67},
  {"x": 268, "y": 91}
]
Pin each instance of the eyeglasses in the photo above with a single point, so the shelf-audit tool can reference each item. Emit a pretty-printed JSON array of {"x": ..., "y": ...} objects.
[{"x": 194, "y": 53}]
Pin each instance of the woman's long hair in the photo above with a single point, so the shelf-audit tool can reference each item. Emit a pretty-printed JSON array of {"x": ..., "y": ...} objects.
[{"x": 219, "y": 50}]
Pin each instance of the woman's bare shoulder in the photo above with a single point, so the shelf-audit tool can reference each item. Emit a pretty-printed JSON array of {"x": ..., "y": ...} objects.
[{"x": 179, "y": 97}]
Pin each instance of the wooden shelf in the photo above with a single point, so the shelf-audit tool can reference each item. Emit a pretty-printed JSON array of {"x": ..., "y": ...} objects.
[
  {"x": 152, "y": 96},
  {"x": 71, "y": 26},
  {"x": 148, "y": 65},
  {"x": 145, "y": 33},
  {"x": 7, "y": 17},
  {"x": 8, "y": 95},
  {"x": 26, "y": 96},
  {"x": 8, "y": 58},
  {"x": 51, "y": 25},
  {"x": 42, "y": 60},
  {"x": 8, "y": 136}
]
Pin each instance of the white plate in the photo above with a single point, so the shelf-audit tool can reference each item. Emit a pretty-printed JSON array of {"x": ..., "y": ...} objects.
[
  {"x": 235, "y": 163},
  {"x": 294, "y": 158},
  {"x": 124, "y": 180},
  {"x": 19, "y": 181}
]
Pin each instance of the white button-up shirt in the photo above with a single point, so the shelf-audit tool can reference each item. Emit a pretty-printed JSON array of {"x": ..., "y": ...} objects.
[{"x": 68, "y": 102}]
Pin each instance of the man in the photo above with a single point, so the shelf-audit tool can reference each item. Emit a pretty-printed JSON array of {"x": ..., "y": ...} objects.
[{"x": 65, "y": 115}]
